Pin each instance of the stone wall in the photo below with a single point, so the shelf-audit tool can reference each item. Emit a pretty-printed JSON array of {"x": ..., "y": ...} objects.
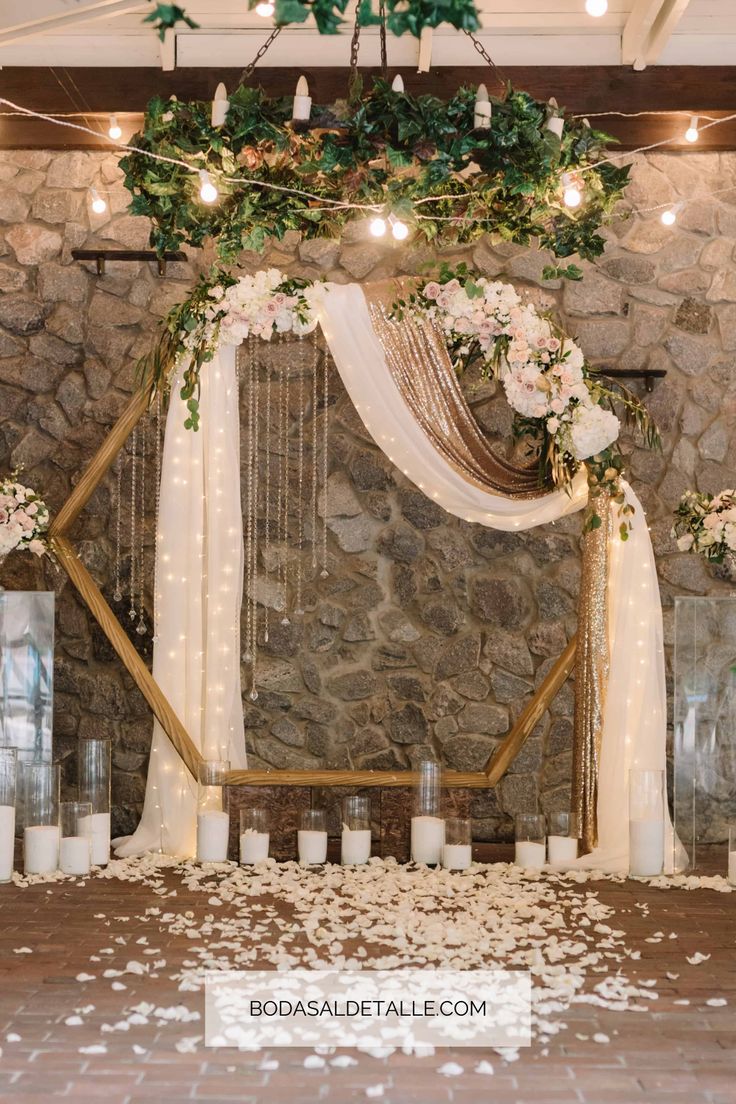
[{"x": 428, "y": 630}]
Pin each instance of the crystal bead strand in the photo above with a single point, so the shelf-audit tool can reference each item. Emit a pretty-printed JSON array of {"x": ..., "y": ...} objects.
[
  {"x": 285, "y": 493},
  {"x": 141, "y": 626},
  {"x": 267, "y": 451},
  {"x": 157, "y": 430},
  {"x": 248, "y": 657},
  {"x": 255, "y": 400},
  {"x": 117, "y": 592},
  {"x": 133, "y": 500},
  {"x": 300, "y": 484},
  {"x": 315, "y": 458},
  {"x": 325, "y": 399}
]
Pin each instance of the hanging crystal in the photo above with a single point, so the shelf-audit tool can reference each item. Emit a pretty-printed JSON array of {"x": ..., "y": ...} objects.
[
  {"x": 300, "y": 500},
  {"x": 325, "y": 426},
  {"x": 117, "y": 592},
  {"x": 249, "y": 581},
  {"x": 267, "y": 453},
  {"x": 284, "y": 488},
  {"x": 315, "y": 455},
  {"x": 157, "y": 431},
  {"x": 255, "y": 401},
  {"x": 141, "y": 628},
  {"x": 133, "y": 503}
]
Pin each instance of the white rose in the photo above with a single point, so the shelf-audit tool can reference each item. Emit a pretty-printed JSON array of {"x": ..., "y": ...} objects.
[
  {"x": 685, "y": 542},
  {"x": 591, "y": 430}
]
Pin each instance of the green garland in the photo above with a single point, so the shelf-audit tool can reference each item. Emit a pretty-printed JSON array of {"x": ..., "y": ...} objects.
[{"x": 390, "y": 151}]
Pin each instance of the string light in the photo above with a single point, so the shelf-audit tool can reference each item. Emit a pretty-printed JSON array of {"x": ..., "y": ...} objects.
[
  {"x": 265, "y": 9},
  {"x": 207, "y": 192},
  {"x": 399, "y": 230},
  {"x": 99, "y": 205},
  {"x": 378, "y": 227},
  {"x": 692, "y": 133},
  {"x": 571, "y": 195},
  {"x": 114, "y": 129},
  {"x": 669, "y": 216},
  {"x": 596, "y": 8}
]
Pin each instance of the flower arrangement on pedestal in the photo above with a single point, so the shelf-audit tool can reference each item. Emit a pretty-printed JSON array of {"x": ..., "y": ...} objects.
[
  {"x": 706, "y": 524},
  {"x": 24, "y": 518}
]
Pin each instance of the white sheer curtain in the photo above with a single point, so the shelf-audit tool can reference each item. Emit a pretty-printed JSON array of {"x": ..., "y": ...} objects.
[
  {"x": 634, "y": 731},
  {"x": 199, "y": 581}
]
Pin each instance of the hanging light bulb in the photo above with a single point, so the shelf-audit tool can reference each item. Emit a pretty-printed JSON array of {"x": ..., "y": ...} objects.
[
  {"x": 265, "y": 9},
  {"x": 596, "y": 8},
  {"x": 692, "y": 133},
  {"x": 669, "y": 216},
  {"x": 378, "y": 227},
  {"x": 400, "y": 230},
  {"x": 207, "y": 192},
  {"x": 114, "y": 129},
  {"x": 99, "y": 205},
  {"x": 571, "y": 195}
]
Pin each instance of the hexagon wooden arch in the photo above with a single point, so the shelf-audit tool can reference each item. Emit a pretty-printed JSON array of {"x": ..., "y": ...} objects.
[{"x": 160, "y": 706}]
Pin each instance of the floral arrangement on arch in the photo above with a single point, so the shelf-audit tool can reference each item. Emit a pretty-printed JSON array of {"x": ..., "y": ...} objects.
[
  {"x": 706, "y": 524},
  {"x": 560, "y": 404},
  {"x": 24, "y": 518}
]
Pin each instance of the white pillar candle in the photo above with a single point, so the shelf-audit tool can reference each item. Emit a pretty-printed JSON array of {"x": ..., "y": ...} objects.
[
  {"x": 732, "y": 867},
  {"x": 213, "y": 833},
  {"x": 562, "y": 850},
  {"x": 97, "y": 827},
  {"x": 646, "y": 848},
  {"x": 482, "y": 113},
  {"x": 356, "y": 845},
  {"x": 556, "y": 124},
  {"x": 302, "y": 101},
  {"x": 74, "y": 855},
  {"x": 220, "y": 106},
  {"x": 456, "y": 856},
  {"x": 427, "y": 838},
  {"x": 41, "y": 849},
  {"x": 253, "y": 846},
  {"x": 7, "y": 841},
  {"x": 529, "y": 854},
  {"x": 312, "y": 847}
]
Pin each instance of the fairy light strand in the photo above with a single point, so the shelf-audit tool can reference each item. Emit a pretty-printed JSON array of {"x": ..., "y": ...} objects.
[{"x": 133, "y": 497}]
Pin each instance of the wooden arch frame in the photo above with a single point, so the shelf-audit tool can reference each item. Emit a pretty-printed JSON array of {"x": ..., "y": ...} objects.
[{"x": 162, "y": 709}]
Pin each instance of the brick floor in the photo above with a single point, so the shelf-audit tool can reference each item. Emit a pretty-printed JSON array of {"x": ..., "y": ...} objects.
[{"x": 670, "y": 1054}]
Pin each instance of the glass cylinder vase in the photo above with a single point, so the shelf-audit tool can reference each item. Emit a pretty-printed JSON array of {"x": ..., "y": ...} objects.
[
  {"x": 312, "y": 837},
  {"x": 95, "y": 775},
  {"x": 8, "y": 782},
  {"x": 530, "y": 835},
  {"x": 562, "y": 839},
  {"x": 75, "y": 849},
  {"x": 40, "y": 797},
  {"x": 356, "y": 830},
  {"x": 213, "y": 821},
  {"x": 457, "y": 850},
  {"x": 646, "y": 823},
  {"x": 254, "y": 835},
  {"x": 427, "y": 826}
]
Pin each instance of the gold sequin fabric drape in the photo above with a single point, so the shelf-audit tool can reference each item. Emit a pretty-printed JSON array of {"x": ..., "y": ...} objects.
[
  {"x": 591, "y": 676},
  {"x": 418, "y": 360}
]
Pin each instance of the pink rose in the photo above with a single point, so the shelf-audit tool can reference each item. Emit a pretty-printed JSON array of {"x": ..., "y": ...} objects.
[
  {"x": 37, "y": 547},
  {"x": 432, "y": 289}
]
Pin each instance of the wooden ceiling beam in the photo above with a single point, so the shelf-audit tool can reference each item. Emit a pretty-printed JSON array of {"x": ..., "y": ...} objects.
[
  {"x": 585, "y": 90},
  {"x": 648, "y": 29},
  {"x": 54, "y": 20}
]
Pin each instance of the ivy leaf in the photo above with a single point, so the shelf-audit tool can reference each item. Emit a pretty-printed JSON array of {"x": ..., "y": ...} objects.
[
  {"x": 555, "y": 272},
  {"x": 167, "y": 16}
]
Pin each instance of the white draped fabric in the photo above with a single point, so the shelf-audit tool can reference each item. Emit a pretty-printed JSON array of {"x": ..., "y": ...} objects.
[
  {"x": 635, "y": 720},
  {"x": 199, "y": 582},
  {"x": 199, "y": 579}
]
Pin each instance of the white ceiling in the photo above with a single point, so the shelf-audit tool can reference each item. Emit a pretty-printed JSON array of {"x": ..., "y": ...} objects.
[{"x": 516, "y": 32}]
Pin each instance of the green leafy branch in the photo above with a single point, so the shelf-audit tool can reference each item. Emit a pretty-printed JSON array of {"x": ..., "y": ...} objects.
[{"x": 165, "y": 17}]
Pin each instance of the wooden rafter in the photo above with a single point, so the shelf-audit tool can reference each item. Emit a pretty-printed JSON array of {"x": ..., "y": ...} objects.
[
  {"x": 54, "y": 19},
  {"x": 648, "y": 30}
]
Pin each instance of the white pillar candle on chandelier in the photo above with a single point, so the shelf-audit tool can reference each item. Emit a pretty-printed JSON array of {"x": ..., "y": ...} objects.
[
  {"x": 397, "y": 84},
  {"x": 213, "y": 822},
  {"x": 555, "y": 123},
  {"x": 530, "y": 846},
  {"x": 646, "y": 823},
  {"x": 254, "y": 836},
  {"x": 457, "y": 850},
  {"x": 40, "y": 800},
  {"x": 75, "y": 850},
  {"x": 220, "y": 106},
  {"x": 95, "y": 773},
  {"x": 8, "y": 780},
  {"x": 562, "y": 840},
  {"x": 312, "y": 837},
  {"x": 424, "y": 63},
  {"x": 356, "y": 830},
  {"x": 482, "y": 112},
  {"x": 302, "y": 108},
  {"x": 427, "y": 825}
]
